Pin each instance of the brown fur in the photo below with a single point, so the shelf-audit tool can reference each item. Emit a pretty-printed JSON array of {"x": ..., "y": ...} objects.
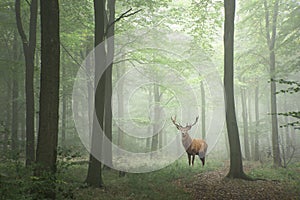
[
  {"x": 192, "y": 146},
  {"x": 196, "y": 147}
]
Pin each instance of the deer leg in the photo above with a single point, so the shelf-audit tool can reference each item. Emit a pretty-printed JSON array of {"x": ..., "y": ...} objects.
[
  {"x": 193, "y": 160},
  {"x": 203, "y": 161},
  {"x": 189, "y": 157}
]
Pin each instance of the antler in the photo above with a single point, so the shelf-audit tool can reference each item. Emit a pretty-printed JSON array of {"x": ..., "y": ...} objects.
[
  {"x": 187, "y": 127},
  {"x": 174, "y": 122},
  {"x": 195, "y": 121}
]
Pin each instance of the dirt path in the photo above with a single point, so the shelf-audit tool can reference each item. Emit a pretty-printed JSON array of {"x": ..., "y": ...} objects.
[{"x": 212, "y": 185}]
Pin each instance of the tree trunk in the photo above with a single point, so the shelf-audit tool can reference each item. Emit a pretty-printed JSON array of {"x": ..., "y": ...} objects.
[
  {"x": 46, "y": 153},
  {"x": 15, "y": 115},
  {"x": 8, "y": 120},
  {"x": 15, "y": 102},
  {"x": 64, "y": 110},
  {"x": 250, "y": 129},
  {"x": 203, "y": 110},
  {"x": 90, "y": 87},
  {"x": 154, "y": 145},
  {"x": 287, "y": 132},
  {"x": 256, "y": 152},
  {"x": 271, "y": 39},
  {"x": 94, "y": 176},
  {"x": 236, "y": 166},
  {"x": 49, "y": 92},
  {"x": 108, "y": 90},
  {"x": 120, "y": 106},
  {"x": 245, "y": 124},
  {"x": 150, "y": 127},
  {"x": 29, "y": 51},
  {"x": 23, "y": 129},
  {"x": 120, "y": 71}
]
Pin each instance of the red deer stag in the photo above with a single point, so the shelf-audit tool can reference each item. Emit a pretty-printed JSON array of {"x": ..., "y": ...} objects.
[{"x": 192, "y": 146}]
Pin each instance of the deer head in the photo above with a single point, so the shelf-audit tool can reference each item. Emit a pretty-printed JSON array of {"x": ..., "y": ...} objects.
[{"x": 184, "y": 130}]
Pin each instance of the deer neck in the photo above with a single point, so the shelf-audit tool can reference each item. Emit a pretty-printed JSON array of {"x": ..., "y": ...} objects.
[{"x": 186, "y": 141}]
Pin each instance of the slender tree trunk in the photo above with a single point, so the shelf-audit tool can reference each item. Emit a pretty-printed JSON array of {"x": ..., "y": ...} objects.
[
  {"x": 256, "y": 152},
  {"x": 293, "y": 136},
  {"x": 8, "y": 120},
  {"x": 90, "y": 86},
  {"x": 245, "y": 124},
  {"x": 250, "y": 130},
  {"x": 94, "y": 176},
  {"x": 120, "y": 71},
  {"x": 154, "y": 144},
  {"x": 108, "y": 117},
  {"x": 64, "y": 110},
  {"x": 15, "y": 102},
  {"x": 29, "y": 46},
  {"x": 203, "y": 110},
  {"x": 271, "y": 39},
  {"x": 149, "y": 139},
  {"x": 108, "y": 90},
  {"x": 15, "y": 116},
  {"x": 23, "y": 129},
  {"x": 287, "y": 132},
  {"x": 120, "y": 107},
  {"x": 236, "y": 165}
]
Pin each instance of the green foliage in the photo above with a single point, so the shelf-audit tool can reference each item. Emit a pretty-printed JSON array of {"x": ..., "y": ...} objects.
[
  {"x": 154, "y": 185},
  {"x": 281, "y": 174},
  {"x": 17, "y": 182},
  {"x": 295, "y": 86}
]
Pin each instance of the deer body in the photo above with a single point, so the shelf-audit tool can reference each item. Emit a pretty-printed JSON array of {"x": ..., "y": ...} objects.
[{"x": 192, "y": 146}]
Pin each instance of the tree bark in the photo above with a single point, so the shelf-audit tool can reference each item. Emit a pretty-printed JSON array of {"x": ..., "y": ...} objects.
[
  {"x": 256, "y": 152},
  {"x": 120, "y": 71},
  {"x": 15, "y": 115},
  {"x": 245, "y": 124},
  {"x": 108, "y": 90},
  {"x": 29, "y": 52},
  {"x": 46, "y": 153},
  {"x": 8, "y": 117},
  {"x": 203, "y": 104},
  {"x": 64, "y": 111},
  {"x": 49, "y": 93},
  {"x": 15, "y": 103},
  {"x": 120, "y": 107},
  {"x": 250, "y": 128},
  {"x": 271, "y": 39},
  {"x": 287, "y": 132},
  {"x": 149, "y": 129},
  {"x": 154, "y": 145},
  {"x": 94, "y": 176},
  {"x": 236, "y": 166}
]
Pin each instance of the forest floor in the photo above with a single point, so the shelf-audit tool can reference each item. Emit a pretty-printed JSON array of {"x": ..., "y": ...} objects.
[
  {"x": 213, "y": 185},
  {"x": 176, "y": 181}
]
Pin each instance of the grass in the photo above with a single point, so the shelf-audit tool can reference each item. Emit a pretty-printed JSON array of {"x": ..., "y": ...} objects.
[
  {"x": 290, "y": 176},
  {"x": 153, "y": 185},
  {"x": 16, "y": 182}
]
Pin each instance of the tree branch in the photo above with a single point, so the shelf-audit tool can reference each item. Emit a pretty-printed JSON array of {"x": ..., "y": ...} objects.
[
  {"x": 123, "y": 15},
  {"x": 274, "y": 23},
  {"x": 32, "y": 25},
  {"x": 19, "y": 23}
]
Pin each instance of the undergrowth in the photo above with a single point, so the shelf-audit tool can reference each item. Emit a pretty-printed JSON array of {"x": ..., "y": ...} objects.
[{"x": 17, "y": 182}]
